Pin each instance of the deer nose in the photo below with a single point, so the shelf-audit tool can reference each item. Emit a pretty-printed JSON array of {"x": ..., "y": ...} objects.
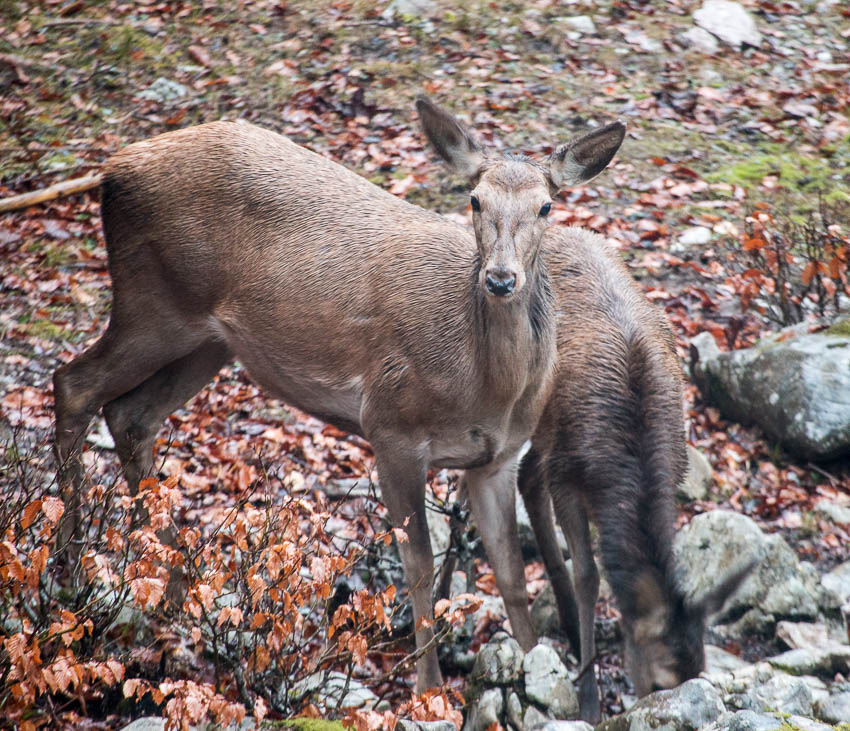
[{"x": 500, "y": 281}]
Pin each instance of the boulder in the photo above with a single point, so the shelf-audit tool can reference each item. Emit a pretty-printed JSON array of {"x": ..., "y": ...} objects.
[
  {"x": 835, "y": 709},
  {"x": 729, "y": 22},
  {"x": 580, "y": 24},
  {"x": 547, "y": 683},
  {"x": 148, "y": 723},
  {"x": 500, "y": 661},
  {"x": 793, "y": 385},
  {"x": 334, "y": 690},
  {"x": 823, "y": 661},
  {"x": 407, "y": 725},
  {"x": 486, "y": 710},
  {"x": 718, "y": 660},
  {"x": 715, "y": 544},
  {"x": 838, "y": 513},
  {"x": 783, "y": 692},
  {"x": 700, "y": 40},
  {"x": 837, "y": 581},
  {"x": 693, "y": 705}
]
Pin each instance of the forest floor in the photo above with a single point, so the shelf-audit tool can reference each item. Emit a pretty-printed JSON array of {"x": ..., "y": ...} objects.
[{"x": 710, "y": 137}]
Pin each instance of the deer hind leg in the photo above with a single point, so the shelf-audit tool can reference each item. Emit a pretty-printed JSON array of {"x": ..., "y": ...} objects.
[
  {"x": 535, "y": 495},
  {"x": 122, "y": 359},
  {"x": 402, "y": 475},
  {"x": 492, "y": 498},
  {"x": 572, "y": 516}
]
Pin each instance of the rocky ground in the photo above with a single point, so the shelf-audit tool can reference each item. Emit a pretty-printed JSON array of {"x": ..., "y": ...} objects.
[{"x": 724, "y": 112}]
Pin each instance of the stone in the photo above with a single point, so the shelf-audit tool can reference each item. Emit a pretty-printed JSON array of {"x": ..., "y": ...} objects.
[
  {"x": 407, "y": 725},
  {"x": 567, "y": 726},
  {"x": 534, "y": 719},
  {"x": 409, "y": 8},
  {"x": 747, "y": 721},
  {"x": 835, "y": 709},
  {"x": 715, "y": 544},
  {"x": 148, "y": 723},
  {"x": 837, "y": 581},
  {"x": 718, "y": 660},
  {"x": 544, "y": 613},
  {"x": 440, "y": 533},
  {"x": 334, "y": 690},
  {"x": 514, "y": 710},
  {"x": 500, "y": 661},
  {"x": 795, "y": 386},
  {"x": 693, "y": 705},
  {"x": 699, "y": 478},
  {"x": 729, "y": 22},
  {"x": 548, "y": 684},
  {"x": 580, "y": 24},
  {"x": 164, "y": 90},
  {"x": 486, "y": 710},
  {"x": 701, "y": 40},
  {"x": 833, "y": 512},
  {"x": 784, "y": 692},
  {"x": 798, "y": 635},
  {"x": 822, "y": 661}
]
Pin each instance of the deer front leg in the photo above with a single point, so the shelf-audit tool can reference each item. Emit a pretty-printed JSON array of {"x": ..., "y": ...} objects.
[
  {"x": 492, "y": 499},
  {"x": 401, "y": 475}
]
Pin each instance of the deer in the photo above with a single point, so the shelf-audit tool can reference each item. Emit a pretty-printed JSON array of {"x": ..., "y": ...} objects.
[
  {"x": 386, "y": 320},
  {"x": 610, "y": 447}
]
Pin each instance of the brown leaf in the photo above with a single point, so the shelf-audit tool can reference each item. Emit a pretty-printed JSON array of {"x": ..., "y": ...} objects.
[{"x": 201, "y": 55}]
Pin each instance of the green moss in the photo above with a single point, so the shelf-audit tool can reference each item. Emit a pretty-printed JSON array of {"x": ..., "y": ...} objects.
[
  {"x": 306, "y": 724},
  {"x": 46, "y": 330},
  {"x": 842, "y": 327}
]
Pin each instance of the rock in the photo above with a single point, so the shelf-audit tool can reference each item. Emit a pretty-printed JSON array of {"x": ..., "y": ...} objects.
[
  {"x": 718, "y": 660},
  {"x": 500, "y": 661},
  {"x": 799, "y": 635},
  {"x": 534, "y": 719},
  {"x": 548, "y": 683},
  {"x": 514, "y": 710},
  {"x": 440, "y": 532},
  {"x": 715, "y": 544},
  {"x": 544, "y": 613},
  {"x": 701, "y": 40},
  {"x": 835, "y": 709},
  {"x": 747, "y": 721},
  {"x": 148, "y": 723},
  {"x": 406, "y": 725},
  {"x": 822, "y": 661},
  {"x": 329, "y": 688},
  {"x": 164, "y": 90},
  {"x": 794, "y": 386},
  {"x": 729, "y": 22},
  {"x": 699, "y": 479},
  {"x": 567, "y": 726},
  {"x": 691, "y": 706},
  {"x": 486, "y": 710},
  {"x": 409, "y": 8},
  {"x": 837, "y": 581},
  {"x": 833, "y": 512},
  {"x": 580, "y": 24}
]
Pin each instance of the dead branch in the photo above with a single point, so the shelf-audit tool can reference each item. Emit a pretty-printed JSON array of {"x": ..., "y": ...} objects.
[{"x": 67, "y": 187}]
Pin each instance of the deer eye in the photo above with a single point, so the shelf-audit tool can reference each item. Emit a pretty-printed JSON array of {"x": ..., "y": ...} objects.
[
  {"x": 544, "y": 210},
  {"x": 476, "y": 204}
]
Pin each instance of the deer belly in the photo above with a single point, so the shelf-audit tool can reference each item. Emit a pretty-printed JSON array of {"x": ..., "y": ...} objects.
[{"x": 464, "y": 450}]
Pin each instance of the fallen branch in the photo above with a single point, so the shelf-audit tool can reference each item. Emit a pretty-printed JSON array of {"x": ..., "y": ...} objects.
[{"x": 68, "y": 187}]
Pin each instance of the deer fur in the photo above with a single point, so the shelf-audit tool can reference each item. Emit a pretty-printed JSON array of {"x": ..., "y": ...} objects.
[
  {"x": 229, "y": 241},
  {"x": 610, "y": 447}
]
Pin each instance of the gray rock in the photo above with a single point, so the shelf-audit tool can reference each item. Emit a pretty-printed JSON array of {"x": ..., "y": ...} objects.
[
  {"x": 409, "y": 8},
  {"x": 699, "y": 478},
  {"x": 406, "y": 725},
  {"x": 148, "y": 723},
  {"x": 823, "y": 661},
  {"x": 715, "y": 544},
  {"x": 486, "y": 710},
  {"x": 514, "y": 710},
  {"x": 718, "y": 660},
  {"x": 334, "y": 690},
  {"x": 805, "y": 724},
  {"x": 534, "y": 719},
  {"x": 567, "y": 726},
  {"x": 544, "y": 613},
  {"x": 693, "y": 705},
  {"x": 796, "y": 389},
  {"x": 580, "y": 24},
  {"x": 783, "y": 692},
  {"x": 837, "y": 581},
  {"x": 548, "y": 683},
  {"x": 747, "y": 721},
  {"x": 499, "y": 662},
  {"x": 835, "y": 709},
  {"x": 701, "y": 40},
  {"x": 729, "y": 22},
  {"x": 164, "y": 90},
  {"x": 440, "y": 533},
  {"x": 833, "y": 512},
  {"x": 799, "y": 635}
]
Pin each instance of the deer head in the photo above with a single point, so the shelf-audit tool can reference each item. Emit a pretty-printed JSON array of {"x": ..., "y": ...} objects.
[{"x": 511, "y": 196}]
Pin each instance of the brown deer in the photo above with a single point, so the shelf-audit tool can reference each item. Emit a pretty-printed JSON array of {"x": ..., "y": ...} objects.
[
  {"x": 229, "y": 241},
  {"x": 610, "y": 446}
]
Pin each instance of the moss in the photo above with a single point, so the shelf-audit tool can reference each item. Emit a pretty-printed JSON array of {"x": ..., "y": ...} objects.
[
  {"x": 842, "y": 327},
  {"x": 306, "y": 724},
  {"x": 45, "y": 329}
]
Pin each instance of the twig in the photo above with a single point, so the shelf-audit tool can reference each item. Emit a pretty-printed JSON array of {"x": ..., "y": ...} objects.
[
  {"x": 67, "y": 187},
  {"x": 83, "y": 21}
]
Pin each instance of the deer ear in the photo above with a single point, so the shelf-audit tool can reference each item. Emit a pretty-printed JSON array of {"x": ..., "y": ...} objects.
[
  {"x": 452, "y": 141},
  {"x": 583, "y": 159},
  {"x": 714, "y": 599}
]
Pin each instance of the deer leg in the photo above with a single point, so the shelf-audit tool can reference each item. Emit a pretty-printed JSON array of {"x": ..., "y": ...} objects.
[
  {"x": 402, "y": 480},
  {"x": 573, "y": 519},
  {"x": 117, "y": 363},
  {"x": 538, "y": 505},
  {"x": 492, "y": 499}
]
